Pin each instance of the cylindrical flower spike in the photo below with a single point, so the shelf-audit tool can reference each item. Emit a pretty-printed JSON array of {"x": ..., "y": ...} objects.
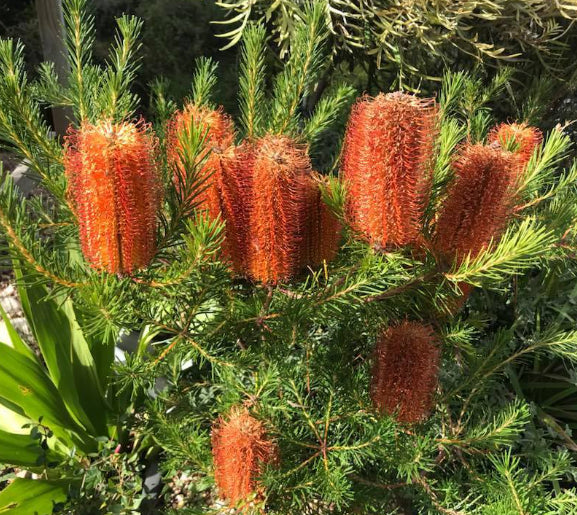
[
  {"x": 241, "y": 449},
  {"x": 115, "y": 190},
  {"x": 387, "y": 166},
  {"x": 281, "y": 175},
  {"x": 218, "y": 132},
  {"x": 227, "y": 172},
  {"x": 322, "y": 233},
  {"x": 405, "y": 371},
  {"x": 478, "y": 203},
  {"x": 234, "y": 186},
  {"x": 519, "y": 138}
]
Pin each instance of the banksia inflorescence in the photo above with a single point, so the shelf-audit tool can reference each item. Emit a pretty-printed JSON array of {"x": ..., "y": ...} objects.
[
  {"x": 225, "y": 170},
  {"x": 323, "y": 230},
  {"x": 387, "y": 166},
  {"x": 218, "y": 132},
  {"x": 405, "y": 371},
  {"x": 241, "y": 449},
  {"x": 519, "y": 138},
  {"x": 115, "y": 191},
  {"x": 278, "y": 214},
  {"x": 479, "y": 201}
]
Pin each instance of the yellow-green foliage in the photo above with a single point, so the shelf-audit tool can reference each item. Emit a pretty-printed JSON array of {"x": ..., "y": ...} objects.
[{"x": 413, "y": 37}]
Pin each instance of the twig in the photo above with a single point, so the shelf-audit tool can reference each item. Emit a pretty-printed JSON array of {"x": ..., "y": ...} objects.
[{"x": 403, "y": 287}]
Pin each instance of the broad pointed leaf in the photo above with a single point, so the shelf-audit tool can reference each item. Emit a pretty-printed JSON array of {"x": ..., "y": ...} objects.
[
  {"x": 24, "y": 383},
  {"x": 33, "y": 496},
  {"x": 67, "y": 355},
  {"x": 19, "y": 449},
  {"x": 16, "y": 341}
]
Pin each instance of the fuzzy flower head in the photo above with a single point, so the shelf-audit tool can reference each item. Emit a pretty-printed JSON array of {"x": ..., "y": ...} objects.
[
  {"x": 519, "y": 138},
  {"x": 387, "y": 166},
  {"x": 115, "y": 190},
  {"x": 323, "y": 230},
  {"x": 241, "y": 449},
  {"x": 405, "y": 370},
  {"x": 280, "y": 174},
  {"x": 479, "y": 201},
  {"x": 213, "y": 124},
  {"x": 218, "y": 132},
  {"x": 226, "y": 170}
]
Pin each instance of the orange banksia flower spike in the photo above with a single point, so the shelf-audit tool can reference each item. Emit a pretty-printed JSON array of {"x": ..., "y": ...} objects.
[
  {"x": 240, "y": 449},
  {"x": 478, "y": 203},
  {"x": 519, "y": 138},
  {"x": 323, "y": 230},
  {"x": 116, "y": 194},
  {"x": 387, "y": 166},
  {"x": 281, "y": 192},
  {"x": 226, "y": 171},
  {"x": 218, "y": 131},
  {"x": 234, "y": 189},
  {"x": 405, "y": 371}
]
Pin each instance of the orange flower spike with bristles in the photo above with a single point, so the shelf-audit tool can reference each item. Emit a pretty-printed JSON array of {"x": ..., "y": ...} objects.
[
  {"x": 218, "y": 132},
  {"x": 115, "y": 190},
  {"x": 241, "y": 449},
  {"x": 281, "y": 174},
  {"x": 387, "y": 166},
  {"x": 323, "y": 230},
  {"x": 233, "y": 186},
  {"x": 405, "y": 371},
  {"x": 520, "y": 138},
  {"x": 227, "y": 172},
  {"x": 479, "y": 201}
]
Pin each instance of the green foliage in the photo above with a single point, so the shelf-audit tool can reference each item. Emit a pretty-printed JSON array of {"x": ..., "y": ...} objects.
[
  {"x": 25, "y": 496},
  {"x": 95, "y": 91},
  {"x": 518, "y": 249},
  {"x": 294, "y": 87},
  {"x": 414, "y": 40},
  {"x": 203, "y": 81},
  {"x": 252, "y": 96}
]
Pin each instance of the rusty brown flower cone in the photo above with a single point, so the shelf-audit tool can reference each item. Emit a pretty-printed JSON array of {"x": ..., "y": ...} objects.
[
  {"x": 232, "y": 187},
  {"x": 523, "y": 140},
  {"x": 387, "y": 166},
  {"x": 322, "y": 231},
  {"x": 479, "y": 201},
  {"x": 227, "y": 172},
  {"x": 241, "y": 449},
  {"x": 218, "y": 131},
  {"x": 280, "y": 173},
  {"x": 115, "y": 190},
  {"x": 405, "y": 371}
]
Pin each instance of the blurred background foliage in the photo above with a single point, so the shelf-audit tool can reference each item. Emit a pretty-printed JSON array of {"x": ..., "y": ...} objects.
[
  {"x": 175, "y": 33},
  {"x": 392, "y": 44},
  {"x": 382, "y": 45},
  {"x": 377, "y": 45}
]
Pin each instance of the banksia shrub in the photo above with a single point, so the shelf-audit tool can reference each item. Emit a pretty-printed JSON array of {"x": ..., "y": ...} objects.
[
  {"x": 281, "y": 192},
  {"x": 115, "y": 191},
  {"x": 322, "y": 232},
  {"x": 405, "y": 370},
  {"x": 240, "y": 449},
  {"x": 478, "y": 202},
  {"x": 387, "y": 166},
  {"x": 519, "y": 138}
]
